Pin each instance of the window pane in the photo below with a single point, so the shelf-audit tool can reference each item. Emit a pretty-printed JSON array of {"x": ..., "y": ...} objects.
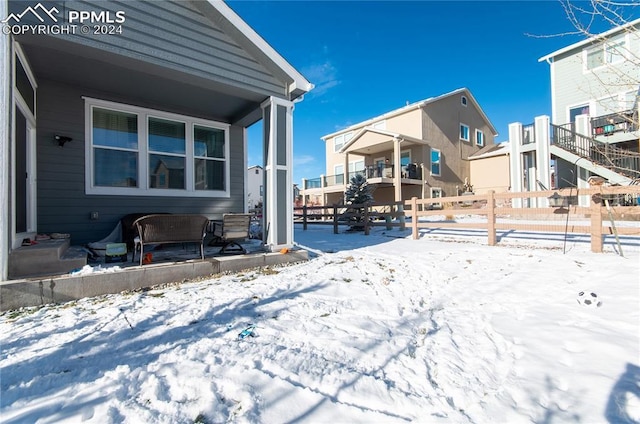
[
  {"x": 209, "y": 174},
  {"x": 208, "y": 142},
  {"x": 435, "y": 168},
  {"x": 115, "y": 168},
  {"x": 435, "y": 156},
  {"x": 166, "y": 172},
  {"x": 405, "y": 158},
  {"x": 464, "y": 132},
  {"x": 166, "y": 136},
  {"x": 615, "y": 52},
  {"x": 594, "y": 58},
  {"x": 115, "y": 129}
]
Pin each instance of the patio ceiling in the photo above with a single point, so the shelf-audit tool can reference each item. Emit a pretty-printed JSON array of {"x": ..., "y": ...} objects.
[
  {"x": 372, "y": 141},
  {"x": 116, "y": 76}
]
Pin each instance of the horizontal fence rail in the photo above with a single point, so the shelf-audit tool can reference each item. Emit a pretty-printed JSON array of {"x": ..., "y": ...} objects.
[
  {"x": 605, "y": 210},
  {"x": 362, "y": 216},
  {"x": 496, "y": 211}
]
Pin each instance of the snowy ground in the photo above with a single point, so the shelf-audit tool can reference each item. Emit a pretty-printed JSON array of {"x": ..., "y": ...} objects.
[{"x": 384, "y": 329}]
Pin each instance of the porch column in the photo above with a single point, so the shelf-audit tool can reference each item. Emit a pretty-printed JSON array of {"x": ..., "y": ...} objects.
[
  {"x": 277, "y": 117},
  {"x": 397, "y": 185},
  {"x": 543, "y": 157},
  {"x": 5, "y": 87},
  {"x": 515, "y": 158}
]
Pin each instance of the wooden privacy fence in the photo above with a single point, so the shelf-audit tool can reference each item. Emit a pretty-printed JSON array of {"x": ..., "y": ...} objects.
[
  {"x": 364, "y": 215},
  {"x": 602, "y": 212}
]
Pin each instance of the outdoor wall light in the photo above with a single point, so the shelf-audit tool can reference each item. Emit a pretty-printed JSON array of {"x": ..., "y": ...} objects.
[
  {"x": 61, "y": 139},
  {"x": 556, "y": 201}
]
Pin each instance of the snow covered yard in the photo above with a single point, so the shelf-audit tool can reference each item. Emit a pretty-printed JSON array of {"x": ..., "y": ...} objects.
[{"x": 386, "y": 329}]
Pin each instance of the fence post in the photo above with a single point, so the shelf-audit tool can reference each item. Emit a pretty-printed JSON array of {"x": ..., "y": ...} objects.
[
  {"x": 491, "y": 219},
  {"x": 366, "y": 219},
  {"x": 335, "y": 219},
  {"x": 596, "y": 221},
  {"x": 304, "y": 218},
  {"x": 414, "y": 218}
]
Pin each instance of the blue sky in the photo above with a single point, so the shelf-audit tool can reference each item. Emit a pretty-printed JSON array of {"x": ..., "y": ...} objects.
[{"x": 370, "y": 57}]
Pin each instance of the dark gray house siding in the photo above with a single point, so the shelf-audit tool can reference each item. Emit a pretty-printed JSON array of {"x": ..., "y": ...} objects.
[
  {"x": 170, "y": 34},
  {"x": 63, "y": 205}
]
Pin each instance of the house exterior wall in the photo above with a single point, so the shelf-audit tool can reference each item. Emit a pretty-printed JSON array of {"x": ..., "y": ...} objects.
[
  {"x": 441, "y": 126},
  {"x": 491, "y": 173},
  {"x": 573, "y": 85},
  {"x": 63, "y": 205},
  {"x": 171, "y": 34}
]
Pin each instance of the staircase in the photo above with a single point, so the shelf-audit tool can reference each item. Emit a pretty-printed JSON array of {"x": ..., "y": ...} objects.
[
  {"x": 48, "y": 257},
  {"x": 617, "y": 165}
]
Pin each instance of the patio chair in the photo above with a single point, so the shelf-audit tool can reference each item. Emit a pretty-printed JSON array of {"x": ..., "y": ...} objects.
[{"x": 234, "y": 227}]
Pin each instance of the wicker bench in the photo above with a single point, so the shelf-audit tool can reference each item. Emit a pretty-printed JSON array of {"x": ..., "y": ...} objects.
[{"x": 165, "y": 229}]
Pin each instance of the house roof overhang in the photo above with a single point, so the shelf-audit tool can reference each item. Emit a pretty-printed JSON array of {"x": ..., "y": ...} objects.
[
  {"x": 370, "y": 141},
  {"x": 414, "y": 106},
  {"x": 104, "y": 71},
  {"x": 298, "y": 85},
  {"x": 590, "y": 40}
]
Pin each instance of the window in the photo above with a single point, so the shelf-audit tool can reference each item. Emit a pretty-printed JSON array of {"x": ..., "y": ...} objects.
[
  {"x": 435, "y": 161},
  {"x": 577, "y": 111},
  {"x": 356, "y": 168},
  {"x": 464, "y": 132},
  {"x": 341, "y": 140},
  {"x": 338, "y": 172},
  {"x": 436, "y": 193},
  {"x": 479, "y": 138},
  {"x": 136, "y": 151},
  {"x": 612, "y": 51},
  {"x": 463, "y": 100}
]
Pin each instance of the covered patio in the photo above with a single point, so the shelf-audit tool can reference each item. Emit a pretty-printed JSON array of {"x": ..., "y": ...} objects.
[{"x": 151, "y": 119}]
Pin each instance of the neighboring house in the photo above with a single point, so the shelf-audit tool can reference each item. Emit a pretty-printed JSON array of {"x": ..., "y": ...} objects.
[
  {"x": 489, "y": 169},
  {"x": 595, "y": 85},
  {"x": 419, "y": 150},
  {"x": 255, "y": 187},
  {"x": 145, "y": 112}
]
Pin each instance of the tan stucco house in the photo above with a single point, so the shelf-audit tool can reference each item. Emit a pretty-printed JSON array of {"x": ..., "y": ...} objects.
[{"x": 421, "y": 150}]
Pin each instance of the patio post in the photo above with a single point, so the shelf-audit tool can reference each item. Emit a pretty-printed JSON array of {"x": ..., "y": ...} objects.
[
  {"x": 5, "y": 81},
  {"x": 278, "y": 181}
]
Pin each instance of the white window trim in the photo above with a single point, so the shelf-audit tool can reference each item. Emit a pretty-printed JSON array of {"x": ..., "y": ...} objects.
[
  {"x": 464, "y": 101},
  {"x": 143, "y": 188},
  {"x": 590, "y": 103},
  {"x": 431, "y": 162},
  {"x": 435, "y": 189},
  {"x": 468, "y": 132},
  {"x": 341, "y": 140},
  {"x": 481, "y": 144},
  {"x": 626, "y": 53}
]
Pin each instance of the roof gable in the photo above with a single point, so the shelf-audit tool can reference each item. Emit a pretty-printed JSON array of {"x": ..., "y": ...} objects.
[{"x": 414, "y": 106}]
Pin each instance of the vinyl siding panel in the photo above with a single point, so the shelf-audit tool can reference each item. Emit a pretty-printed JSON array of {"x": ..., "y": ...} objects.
[
  {"x": 62, "y": 203},
  {"x": 175, "y": 35},
  {"x": 574, "y": 85}
]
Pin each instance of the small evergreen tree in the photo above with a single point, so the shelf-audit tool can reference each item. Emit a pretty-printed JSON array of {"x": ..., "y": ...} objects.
[{"x": 358, "y": 193}]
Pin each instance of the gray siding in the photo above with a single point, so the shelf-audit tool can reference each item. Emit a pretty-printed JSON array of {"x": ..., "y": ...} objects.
[
  {"x": 63, "y": 205},
  {"x": 573, "y": 86},
  {"x": 173, "y": 35}
]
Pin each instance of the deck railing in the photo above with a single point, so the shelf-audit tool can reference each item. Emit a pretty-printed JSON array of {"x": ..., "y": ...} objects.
[{"x": 622, "y": 161}]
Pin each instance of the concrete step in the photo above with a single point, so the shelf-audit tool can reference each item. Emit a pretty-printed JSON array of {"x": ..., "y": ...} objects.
[{"x": 48, "y": 257}]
